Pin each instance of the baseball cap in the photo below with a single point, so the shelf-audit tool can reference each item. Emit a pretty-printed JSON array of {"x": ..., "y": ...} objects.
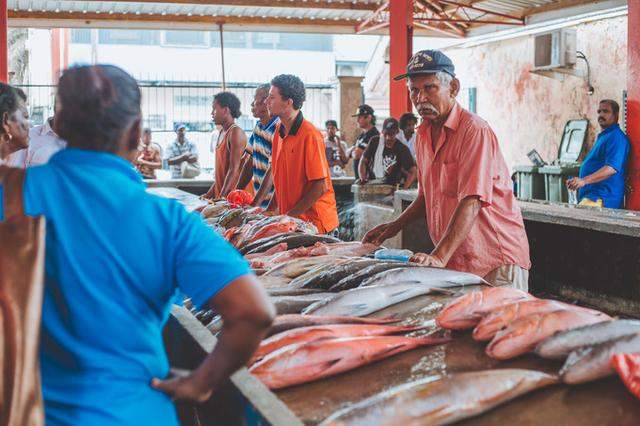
[
  {"x": 179, "y": 126},
  {"x": 428, "y": 62},
  {"x": 363, "y": 109},
  {"x": 390, "y": 125}
]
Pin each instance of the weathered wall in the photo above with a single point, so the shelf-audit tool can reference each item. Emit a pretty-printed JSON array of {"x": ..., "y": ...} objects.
[{"x": 529, "y": 111}]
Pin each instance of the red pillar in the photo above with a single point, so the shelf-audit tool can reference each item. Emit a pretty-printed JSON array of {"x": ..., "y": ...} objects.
[
  {"x": 400, "y": 51},
  {"x": 633, "y": 103},
  {"x": 4, "y": 51}
]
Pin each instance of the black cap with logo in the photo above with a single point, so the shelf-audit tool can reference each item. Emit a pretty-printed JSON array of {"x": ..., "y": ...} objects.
[
  {"x": 363, "y": 109},
  {"x": 428, "y": 62},
  {"x": 390, "y": 125}
]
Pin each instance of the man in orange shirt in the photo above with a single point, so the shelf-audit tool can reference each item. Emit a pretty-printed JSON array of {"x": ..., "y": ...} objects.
[
  {"x": 465, "y": 188},
  {"x": 299, "y": 165}
]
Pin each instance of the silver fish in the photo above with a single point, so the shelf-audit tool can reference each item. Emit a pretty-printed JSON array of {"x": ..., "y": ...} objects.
[
  {"x": 295, "y": 304},
  {"x": 331, "y": 275},
  {"x": 442, "y": 401},
  {"x": 298, "y": 282},
  {"x": 293, "y": 240},
  {"x": 594, "y": 362},
  {"x": 563, "y": 343},
  {"x": 366, "y": 300},
  {"x": 296, "y": 267},
  {"x": 357, "y": 278},
  {"x": 424, "y": 275}
]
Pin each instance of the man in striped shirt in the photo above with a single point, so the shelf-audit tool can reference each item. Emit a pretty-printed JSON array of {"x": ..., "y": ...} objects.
[{"x": 257, "y": 158}]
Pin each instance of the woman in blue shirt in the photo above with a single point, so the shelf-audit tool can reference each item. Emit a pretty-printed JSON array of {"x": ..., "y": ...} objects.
[{"x": 115, "y": 257}]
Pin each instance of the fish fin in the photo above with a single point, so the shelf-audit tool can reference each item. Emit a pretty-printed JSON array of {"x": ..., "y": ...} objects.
[{"x": 445, "y": 291}]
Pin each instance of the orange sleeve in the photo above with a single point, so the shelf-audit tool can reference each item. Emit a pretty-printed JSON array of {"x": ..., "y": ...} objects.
[{"x": 315, "y": 161}]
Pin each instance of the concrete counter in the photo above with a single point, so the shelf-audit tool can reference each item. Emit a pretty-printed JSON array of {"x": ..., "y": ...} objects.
[{"x": 591, "y": 255}]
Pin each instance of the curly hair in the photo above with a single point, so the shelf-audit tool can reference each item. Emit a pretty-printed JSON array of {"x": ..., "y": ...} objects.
[
  {"x": 229, "y": 100},
  {"x": 290, "y": 87},
  {"x": 406, "y": 117},
  {"x": 97, "y": 103},
  {"x": 10, "y": 100}
]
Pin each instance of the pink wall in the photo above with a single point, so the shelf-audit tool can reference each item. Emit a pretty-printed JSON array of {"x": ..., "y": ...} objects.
[{"x": 529, "y": 111}]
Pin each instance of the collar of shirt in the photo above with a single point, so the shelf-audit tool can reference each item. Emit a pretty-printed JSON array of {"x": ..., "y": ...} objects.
[
  {"x": 452, "y": 123},
  {"x": 271, "y": 122},
  {"x": 46, "y": 129},
  {"x": 78, "y": 157},
  {"x": 610, "y": 129},
  {"x": 294, "y": 127}
]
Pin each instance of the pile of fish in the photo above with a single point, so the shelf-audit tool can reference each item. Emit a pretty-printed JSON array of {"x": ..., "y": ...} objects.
[
  {"x": 445, "y": 400},
  {"x": 306, "y": 354},
  {"x": 513, "y": 321}
]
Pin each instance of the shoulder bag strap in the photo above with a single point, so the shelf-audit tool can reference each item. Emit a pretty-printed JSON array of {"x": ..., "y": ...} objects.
[{"x": 12, "y": 180}]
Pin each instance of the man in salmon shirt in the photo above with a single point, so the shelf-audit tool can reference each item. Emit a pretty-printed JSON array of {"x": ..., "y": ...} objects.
[
  {"x": 299, "y": 165},
  {"x": 465, "y": 189}
]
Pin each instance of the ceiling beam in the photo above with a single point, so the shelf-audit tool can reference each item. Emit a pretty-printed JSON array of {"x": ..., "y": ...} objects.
[
  {"x": 296, "y": 4},
  {"x": 360, "y": 28},
  {"x": 194, "y": 19},
  {"x": 561, "y": 4}
]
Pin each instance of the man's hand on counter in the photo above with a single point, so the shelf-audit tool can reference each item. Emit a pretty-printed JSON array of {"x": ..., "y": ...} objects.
[
  {"x": 576, "y": 183},
  {"x": 381, "y": 233},
  {"x": 428, "y": 260}
]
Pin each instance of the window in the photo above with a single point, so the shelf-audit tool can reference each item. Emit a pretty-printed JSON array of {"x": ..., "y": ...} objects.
[
  {"x": 265, "y": 40},
  {"x": 192, "y": 100},
  {"x": 233, "y": 39},
  {"x": 154, "y": 122},
  {"x": 81, "y": 36},
  {"x": 309, "y": 42},
  {"x": 186, "y": 38},
  {"x": 139, "y": 37}
]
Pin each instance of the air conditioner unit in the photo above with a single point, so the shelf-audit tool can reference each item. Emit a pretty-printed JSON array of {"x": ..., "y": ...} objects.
[{"x": 556, "y": 49}]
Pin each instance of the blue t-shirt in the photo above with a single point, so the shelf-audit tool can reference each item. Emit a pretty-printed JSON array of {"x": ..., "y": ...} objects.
[
  {"x": 611, "y": 149},
  {"x": 115, "y": 256}
]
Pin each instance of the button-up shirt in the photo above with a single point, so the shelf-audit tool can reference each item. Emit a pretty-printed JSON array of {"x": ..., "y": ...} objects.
[
  {"x": 466, "y": 161},
  {"x": 611, "y": 149},
  {"x": 176, "y": 149},
  {"x": 259, "y": 146}
]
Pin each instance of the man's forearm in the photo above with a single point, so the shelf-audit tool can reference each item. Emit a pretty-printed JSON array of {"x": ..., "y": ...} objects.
[
  {"x": 230, "y": 181},
  {"x": 263, "y": 191},
  {"x": 410, "y": 178},
  {"x": 458, "y": 229},
  {"x": 362, "y": 169},
  {"x": 600, "y": 175},
  {"x": 178, "y": 159},
  {"x": 246, "y": 174},
  {"x": 309, "y": 198}
]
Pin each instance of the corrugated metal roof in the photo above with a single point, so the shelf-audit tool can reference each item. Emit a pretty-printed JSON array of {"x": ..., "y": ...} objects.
[{"x": 340, "y": 16}]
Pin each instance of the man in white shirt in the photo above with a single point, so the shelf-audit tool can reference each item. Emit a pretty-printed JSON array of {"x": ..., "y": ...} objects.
[
  {"x": 43, "y": 143},
  {"x": 407, "y": 133}
]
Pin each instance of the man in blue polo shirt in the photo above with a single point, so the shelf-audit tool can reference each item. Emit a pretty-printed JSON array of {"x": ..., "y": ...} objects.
[
  {"x": 115, "y": 256},
  {"x": 601, "y": 180}
]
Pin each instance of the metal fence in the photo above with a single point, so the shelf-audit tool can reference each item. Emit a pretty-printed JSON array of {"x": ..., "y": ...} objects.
[{"x": 166, "y": 104}]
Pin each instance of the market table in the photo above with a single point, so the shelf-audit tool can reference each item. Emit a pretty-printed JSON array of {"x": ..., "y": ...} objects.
[
  {"x": 580, "y": 253},
  {"x": 188, "y": 200}
]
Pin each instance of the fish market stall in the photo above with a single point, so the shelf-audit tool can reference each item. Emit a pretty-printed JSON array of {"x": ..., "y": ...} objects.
[
  {"x": 190, "y": 201},
  {"x": 197, "y": 186},
  {"x": 580, "y": 253},
  {"x": 364, "y": 338}
]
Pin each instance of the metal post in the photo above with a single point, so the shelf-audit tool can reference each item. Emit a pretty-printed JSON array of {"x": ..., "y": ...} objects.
[
  {"x": 55, "y": 55},
  {"x": 224, "y": 80},
  {"x": 633, "y": 103},
  {"x": 400, "y": 51},
  {"x": 4, "y": 50}
]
